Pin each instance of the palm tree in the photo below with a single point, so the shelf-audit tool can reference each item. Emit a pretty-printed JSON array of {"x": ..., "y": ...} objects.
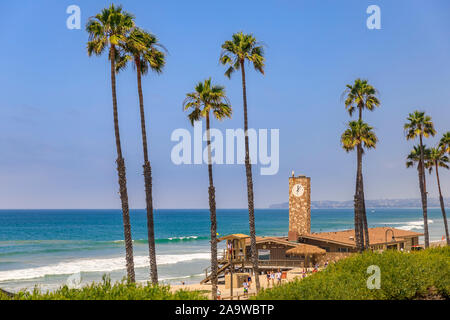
[
  {"x": 235, "y": 52},
  {"x": 143, "y": 49},
  {"x": 205, "y": 99},
  {"x": 444, "y": 144},
  {"x": 420, "y": 125},
  {"x": 361, "y": 95},
  {"x": 358, "y": 134},
  {"x": 438, "y": 159},
  {"x": 108, "y": 29}
]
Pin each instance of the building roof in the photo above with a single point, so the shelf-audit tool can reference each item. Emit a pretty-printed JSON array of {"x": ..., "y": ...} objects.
[
  {"x": 279, "y": 240},
  {"x": 305, "y": 249},
  {"x": 238, "y": 236},
  {"x": 378, "y": 235}
]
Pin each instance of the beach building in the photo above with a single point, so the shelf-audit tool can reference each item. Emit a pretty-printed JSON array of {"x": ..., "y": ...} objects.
[
  {"x": 303, "y": 248},
  {"x": 381, "y": 238}
]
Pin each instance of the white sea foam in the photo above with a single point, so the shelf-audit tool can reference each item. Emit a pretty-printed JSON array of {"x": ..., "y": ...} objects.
[
  {"x": 181, "y": 277},
  {"x": 96, "y": 265},
  {"x": 411, "y": 225}
]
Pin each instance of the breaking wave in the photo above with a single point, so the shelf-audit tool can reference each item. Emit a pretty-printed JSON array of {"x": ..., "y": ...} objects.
[{"x": 96, "y": 265}]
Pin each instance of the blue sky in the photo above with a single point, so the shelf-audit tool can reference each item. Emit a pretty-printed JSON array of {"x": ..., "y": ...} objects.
[{"x": 56, "y": 134}]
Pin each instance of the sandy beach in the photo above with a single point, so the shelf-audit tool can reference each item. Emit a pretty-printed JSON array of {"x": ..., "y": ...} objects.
[{"x": 238, "y": 293}]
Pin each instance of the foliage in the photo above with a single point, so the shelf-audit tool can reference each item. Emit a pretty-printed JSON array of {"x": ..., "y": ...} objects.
[
  {"x": 144, "y": 49},
  {"x": 360, "y": 95},
  {"x": 436, "y": 159},
  {"x": 211, "y": 98},
  {"x": 108, "y": 28},
  {"x": 106, "y": 290},
  {"x": 242, "y": 47},
  {"x": 403, "y": 276},
  {"x": 358, "y": 133},
  {"x": 414, "y": 156},
  {"x": 419, "y": 124},
  {"x": 444, "y": 143}
]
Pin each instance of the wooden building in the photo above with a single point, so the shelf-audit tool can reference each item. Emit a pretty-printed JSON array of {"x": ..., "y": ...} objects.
[
  {"x": 301, "y": 247},
  {"x": 381, "y": 238}
]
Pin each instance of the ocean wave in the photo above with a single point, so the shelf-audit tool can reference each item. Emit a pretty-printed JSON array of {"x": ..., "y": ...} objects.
[
  {"x": 181, "y": 277},
  {"x": 92, "y": 243},
  {"x": 96, "y": 265},
  {"x": 167, "y": 240},
  {"x": 410, "y": 225}
]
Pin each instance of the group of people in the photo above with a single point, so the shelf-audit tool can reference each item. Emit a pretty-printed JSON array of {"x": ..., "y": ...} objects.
[
  {"x": 306, "y": 271},
  {"x": 271, "y": 276}
]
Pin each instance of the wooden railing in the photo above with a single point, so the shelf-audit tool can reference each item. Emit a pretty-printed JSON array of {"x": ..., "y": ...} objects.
[
  {"x": 241, "y": 296},
  {"x": 280, "y": 263}
]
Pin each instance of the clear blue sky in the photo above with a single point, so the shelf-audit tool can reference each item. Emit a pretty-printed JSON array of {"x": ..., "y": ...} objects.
[{"x": 56, "y": 134}]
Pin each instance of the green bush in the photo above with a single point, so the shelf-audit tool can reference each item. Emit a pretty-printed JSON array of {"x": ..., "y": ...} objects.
[
  {"x": 403, "y": 276},
  {"x": 106, "y": 290}
]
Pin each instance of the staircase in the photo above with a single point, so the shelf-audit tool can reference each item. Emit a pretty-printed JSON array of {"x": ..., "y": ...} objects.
[{"x": 219, "y": 271}]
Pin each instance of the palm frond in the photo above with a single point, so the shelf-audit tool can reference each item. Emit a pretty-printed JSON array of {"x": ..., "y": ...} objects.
[{"x": 205, "y": 99}]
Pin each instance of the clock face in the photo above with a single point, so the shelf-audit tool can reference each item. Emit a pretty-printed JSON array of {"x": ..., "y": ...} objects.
[{"x": 298, "y": 190}]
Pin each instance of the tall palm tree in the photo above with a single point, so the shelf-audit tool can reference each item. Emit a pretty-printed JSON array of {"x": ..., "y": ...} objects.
[
  {"x": 437, "y": 159},
  {"x": 107, "y": 30},
  {"x": 357, "y": 135},
  {"x": 235, "y": 53},
  {"x": 143, "y": 49},
  {"x": 359, "y": 96},
  {"x": 444, "y": 144},
  {"x": 205, "y": 99},
  {"x": 420, "y": 125}
]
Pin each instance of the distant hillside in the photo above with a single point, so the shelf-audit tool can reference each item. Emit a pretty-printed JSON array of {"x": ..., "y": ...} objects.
[{"x": 383, "y": 203}]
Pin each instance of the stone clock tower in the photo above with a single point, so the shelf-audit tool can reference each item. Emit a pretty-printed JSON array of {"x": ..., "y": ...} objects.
[{"x": 299, "y": 206}]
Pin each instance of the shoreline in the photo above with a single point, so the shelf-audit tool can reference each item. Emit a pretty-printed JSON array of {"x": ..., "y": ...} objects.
[{"x": 196, "y": 286}]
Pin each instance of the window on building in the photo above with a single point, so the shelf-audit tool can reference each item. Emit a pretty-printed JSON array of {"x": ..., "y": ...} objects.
[{"x": 263, "y": 254}]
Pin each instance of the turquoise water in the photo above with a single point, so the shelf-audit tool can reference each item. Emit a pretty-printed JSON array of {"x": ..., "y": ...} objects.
[{"x": 45, "y": 247}]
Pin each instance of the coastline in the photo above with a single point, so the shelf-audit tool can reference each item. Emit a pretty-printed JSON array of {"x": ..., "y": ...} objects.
[{"x": 64, "y": 243}]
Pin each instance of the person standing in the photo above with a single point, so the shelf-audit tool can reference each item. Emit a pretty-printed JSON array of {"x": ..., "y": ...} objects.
[
  {"x": 246, "y": 288},
  {"x": 279, "y": 277},
  {"x": 272, "y": 277}
]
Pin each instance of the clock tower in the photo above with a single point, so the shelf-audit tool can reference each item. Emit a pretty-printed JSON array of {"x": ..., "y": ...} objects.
[{"x": 299, "y": 206}]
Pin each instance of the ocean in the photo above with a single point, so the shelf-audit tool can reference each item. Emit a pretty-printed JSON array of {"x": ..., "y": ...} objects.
[{"x": 45, "y": 248}]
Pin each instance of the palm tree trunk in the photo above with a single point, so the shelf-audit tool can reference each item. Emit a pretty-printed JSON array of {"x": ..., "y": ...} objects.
[
  {"x": 212, "y": 209},
  {"x": 358, "y": 204},
  {"x": 364, "y": 226},
  {"x": 423, "y": 193},
  {"x": 441, "y": 200},
  {"x": 248, "y": 171},
  {"x": 147, "y": 183},
  {"x": 364, "y": 215},
  {"x": 122, "y": 177}
]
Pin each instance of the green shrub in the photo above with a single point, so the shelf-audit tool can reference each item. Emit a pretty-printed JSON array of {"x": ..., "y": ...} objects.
[
  {"x": 106, "y": 290},
  {"x": 403, "y": 276}
]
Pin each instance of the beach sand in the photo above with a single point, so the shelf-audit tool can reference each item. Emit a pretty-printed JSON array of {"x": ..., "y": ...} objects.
[{"x": 238, "y": 293}]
